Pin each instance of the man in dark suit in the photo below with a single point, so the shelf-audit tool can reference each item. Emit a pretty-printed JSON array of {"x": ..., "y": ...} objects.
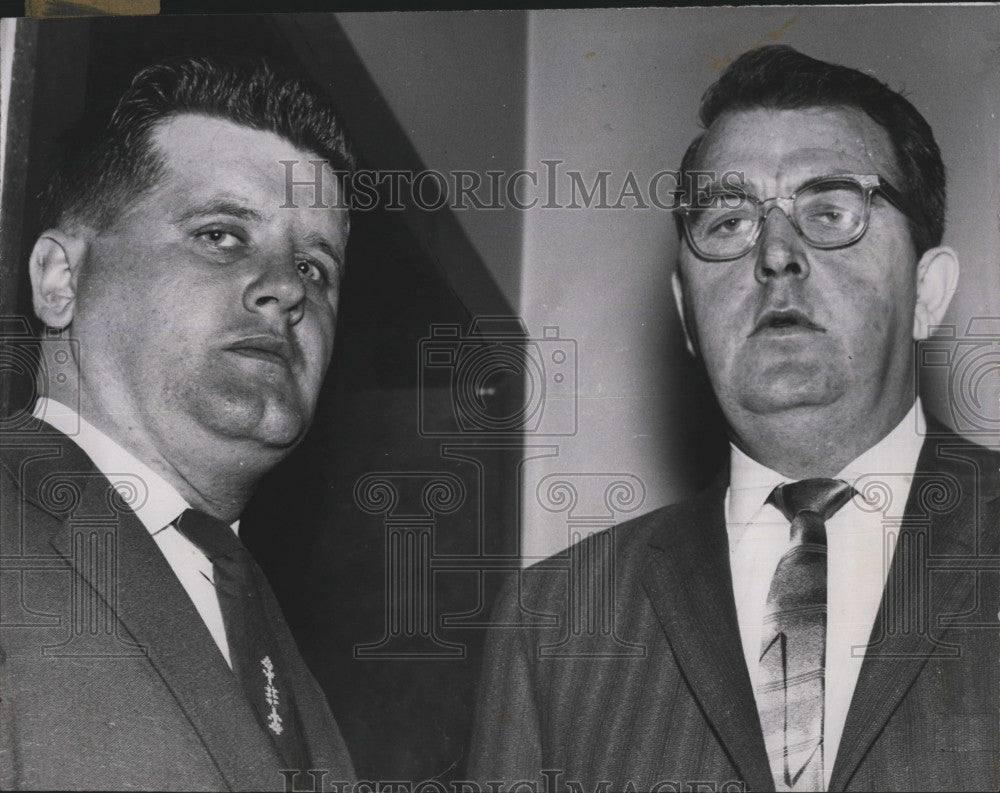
[
  {"x": 191, "y": 305},
  {"x": 825, "y": 615}
]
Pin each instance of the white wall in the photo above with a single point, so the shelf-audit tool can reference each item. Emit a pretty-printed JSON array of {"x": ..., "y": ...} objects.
[{"x": 618, "y": 90}]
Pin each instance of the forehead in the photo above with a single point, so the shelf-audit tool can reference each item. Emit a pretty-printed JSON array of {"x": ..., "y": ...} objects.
[
  {"x": 778, "y": 149},
  {"x": 207, "y": 157}
]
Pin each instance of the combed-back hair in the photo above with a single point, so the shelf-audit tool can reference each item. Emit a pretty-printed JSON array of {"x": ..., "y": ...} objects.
[
  {"x": 108, "y": 160},
  {"x": 778, "y": 77}
]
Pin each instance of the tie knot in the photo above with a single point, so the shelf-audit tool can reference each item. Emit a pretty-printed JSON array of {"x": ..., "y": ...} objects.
[
  {"x": 213, "y": 538},
  {"x": 821, "y": 496}
]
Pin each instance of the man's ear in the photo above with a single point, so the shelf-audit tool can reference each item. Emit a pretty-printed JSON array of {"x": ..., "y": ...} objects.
[
  {"x": 675, "y": 282},
  {"x": 937, "y": 279},
  {"x": 54, "y": 267}
]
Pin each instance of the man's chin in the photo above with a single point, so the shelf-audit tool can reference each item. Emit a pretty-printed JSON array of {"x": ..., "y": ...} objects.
[
  {"x": 281, "y": 436},
  {"x": 279, "y": 428},
  {"x": 274, "y": 424},
  {"x": 783, "y": 394}
]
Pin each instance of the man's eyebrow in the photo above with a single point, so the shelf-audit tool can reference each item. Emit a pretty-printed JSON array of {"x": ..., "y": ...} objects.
[
  {"x": 314, "y": 239},
  {"x": 725, "y": 185},
  {"x": 222, "y": 207}
]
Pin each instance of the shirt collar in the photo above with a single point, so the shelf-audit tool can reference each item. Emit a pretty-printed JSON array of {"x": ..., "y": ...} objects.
[
  {"x": 750, "y": 482},
  {"x": 897, "y": 452},
  {"x": 162, "y": 505}
]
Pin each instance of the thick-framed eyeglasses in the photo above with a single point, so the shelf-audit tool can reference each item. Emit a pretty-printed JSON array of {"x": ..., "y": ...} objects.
[{"x": 828, "y": 212}]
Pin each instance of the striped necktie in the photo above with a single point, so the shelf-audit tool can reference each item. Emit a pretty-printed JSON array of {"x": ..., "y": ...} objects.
[{"x": 790, "y": 688}]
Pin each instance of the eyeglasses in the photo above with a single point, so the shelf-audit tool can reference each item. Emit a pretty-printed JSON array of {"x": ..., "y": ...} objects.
[{"x": 829, "y": 212}]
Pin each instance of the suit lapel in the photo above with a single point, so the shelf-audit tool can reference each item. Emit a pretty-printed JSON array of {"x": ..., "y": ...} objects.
[
  {"x": 689, "y": 582},
  {"x": 138, "y": 583},
  {"x": 908, "y": 632}
]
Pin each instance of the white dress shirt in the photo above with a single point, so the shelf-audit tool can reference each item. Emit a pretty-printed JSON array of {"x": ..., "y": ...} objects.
[
  {"x": 158, "y": 508},
  {"x": 860, "y": 542}
]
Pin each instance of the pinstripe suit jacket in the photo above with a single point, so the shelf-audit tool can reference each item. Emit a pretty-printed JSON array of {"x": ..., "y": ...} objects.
[
  {"x": 109, "y": 678},
  {"x": 619, "y": 665}
]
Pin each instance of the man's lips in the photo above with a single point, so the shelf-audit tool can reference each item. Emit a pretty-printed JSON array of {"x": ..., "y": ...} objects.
[
  {"x": 265, "y": 347},
  {"x": 785, "y": 320}
]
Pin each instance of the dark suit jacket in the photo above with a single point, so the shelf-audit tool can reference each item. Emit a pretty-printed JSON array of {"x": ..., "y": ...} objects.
[
  {"x": 109, "y": 677},
  {"x": 634, "y": 674}
]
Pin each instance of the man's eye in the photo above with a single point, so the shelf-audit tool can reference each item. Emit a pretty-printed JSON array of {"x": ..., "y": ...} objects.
[
  {"x": 311, "y": 271},
  {"x": 220, "y": 239},
  {"x": 727, "y": 225},
  {"x": 835, "y": 217}
]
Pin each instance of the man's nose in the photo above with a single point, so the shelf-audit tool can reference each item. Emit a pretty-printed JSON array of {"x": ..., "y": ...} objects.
[
  {"x": 277, "y": 288},
  {"x": 781, "y": 249}
]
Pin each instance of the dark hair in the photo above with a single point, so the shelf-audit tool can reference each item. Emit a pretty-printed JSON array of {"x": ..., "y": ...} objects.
[
  {"x": 108, "y": 160},
  {"x": 779, "y": 77}
]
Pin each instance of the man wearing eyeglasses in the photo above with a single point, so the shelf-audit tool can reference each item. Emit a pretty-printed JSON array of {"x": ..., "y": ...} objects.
[{"x": 821, "y": 617}]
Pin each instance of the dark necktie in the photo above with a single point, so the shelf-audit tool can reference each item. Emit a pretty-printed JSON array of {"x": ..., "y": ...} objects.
[
  {"x": 253, "y": 649},
  {"x": 793, "y": 643}
]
